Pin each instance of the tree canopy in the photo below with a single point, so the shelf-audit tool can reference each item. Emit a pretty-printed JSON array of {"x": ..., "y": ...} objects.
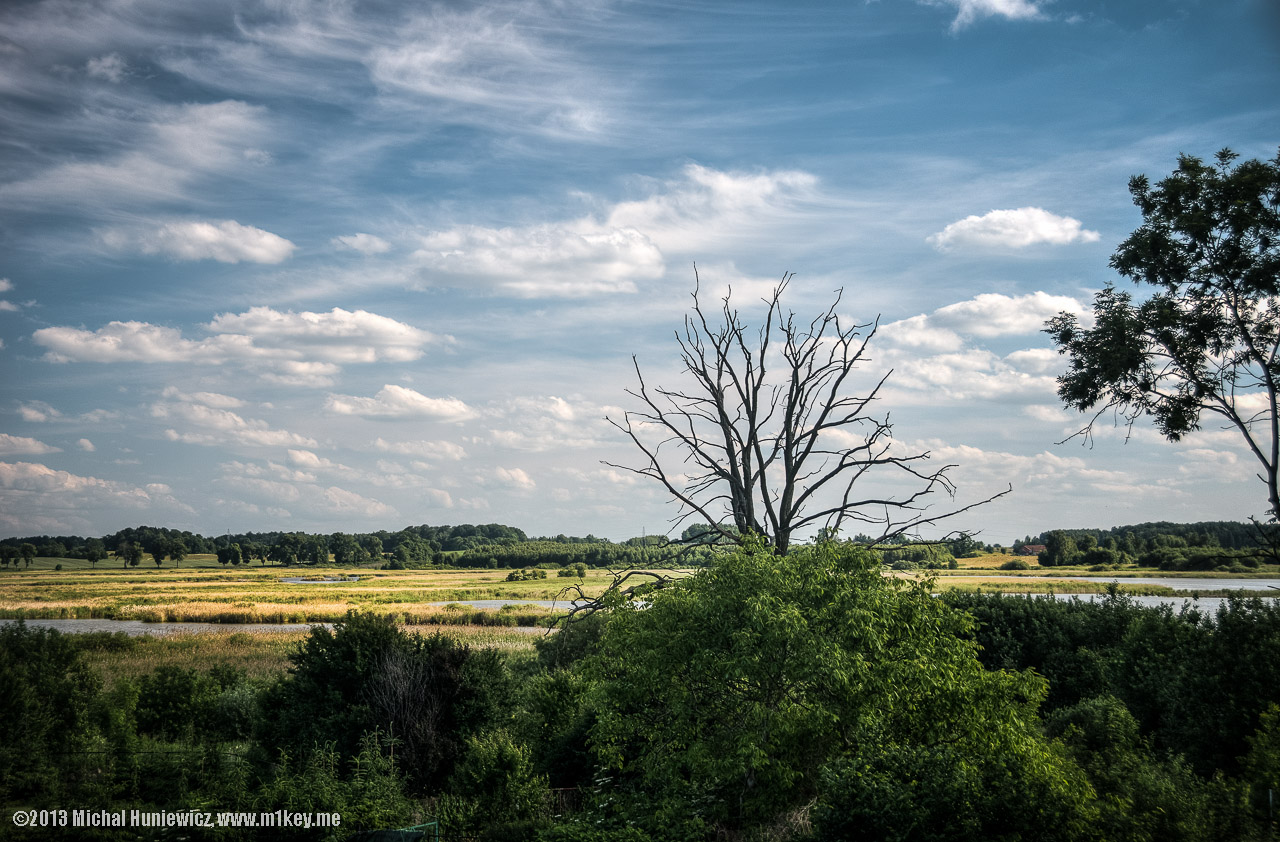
[{"x": 1207, "y": 338}]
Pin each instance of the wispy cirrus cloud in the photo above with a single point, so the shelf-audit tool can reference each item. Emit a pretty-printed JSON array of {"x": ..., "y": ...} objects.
[
  {"x": 177, "y": 147},
  {"x": 1017, "y": 228}
]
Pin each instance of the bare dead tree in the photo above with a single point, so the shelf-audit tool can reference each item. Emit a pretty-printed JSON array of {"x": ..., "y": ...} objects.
[{"x": 770, "y": 439}]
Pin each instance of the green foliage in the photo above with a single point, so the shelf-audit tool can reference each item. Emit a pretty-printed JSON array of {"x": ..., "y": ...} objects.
[
  {"x": 1210, "y": 245},
  {"x": 1192, "y": 681},
  {"x": 892, "y": 791},
  {"x": 1015, "y": 564},
  {"x": 428, "y": 693},
  {"x": 46, "y": 695},
  {"x": 1059, "y": 549},
  {"x": 176, "y": 703},
  {"x": 494, "y": 787},
  {"x": 719, "y": 703},
  {"x": 930, "y": 556},
  {"x": 1144, "y": 797},
  {"x": 367, "y": 792}
]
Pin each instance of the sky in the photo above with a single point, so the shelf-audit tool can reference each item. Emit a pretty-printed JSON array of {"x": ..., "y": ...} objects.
[{"x": 349, "y": 266}]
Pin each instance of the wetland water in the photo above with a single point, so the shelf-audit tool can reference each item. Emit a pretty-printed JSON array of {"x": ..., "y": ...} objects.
[{"x": 1177, "y": 584}]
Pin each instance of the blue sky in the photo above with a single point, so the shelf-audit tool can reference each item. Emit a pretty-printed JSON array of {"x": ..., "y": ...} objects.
[{"x": 330, "y": 266}]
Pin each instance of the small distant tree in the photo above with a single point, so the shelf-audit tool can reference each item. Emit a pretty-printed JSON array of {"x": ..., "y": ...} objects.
[
  {"x": 177, "y": 551},
  {"x": 94, "y": 551},
  {"x": 1060, "y": 548},
  {"x": 230, "y": 554},
  {"x": 131, "y": 552},
  {"x": 159, "y": 549},
  {"x": 28, "y": 553}
]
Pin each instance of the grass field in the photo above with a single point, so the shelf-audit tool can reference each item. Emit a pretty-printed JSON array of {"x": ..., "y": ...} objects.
[
  {"x": 261, "y": 655},
  {"x": 258, "y": 594}
]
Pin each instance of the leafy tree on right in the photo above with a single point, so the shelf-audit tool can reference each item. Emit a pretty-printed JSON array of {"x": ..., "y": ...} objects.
[{"x": 1208, "y": 337}]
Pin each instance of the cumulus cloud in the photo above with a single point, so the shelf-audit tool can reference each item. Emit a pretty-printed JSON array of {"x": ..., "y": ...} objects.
[
  {"x": 23, "y": 446},
  {"x": 216, "y": 426},
  {"x": 428, "y": 449},
  {"x": 338, "y": 336},
  {"x": 514, "y": 478},
  {"x": 348, "y": 502},
  {"x": 363, "y": 243},
  {"x": 551, "y": 423},
  {"x": 6, "y": 285},
  {"x": 1017, "y": 228},
  {"x": 399, "y": 402},
  {"x": 574, "y": 259},
  {"x": 38, "y": 412},
  {"x": 35, "y": 496},
  {"x": 225, "y": 241},
  {"x": 970, "y": 11},
  {"x": 291, "y": 348},
  {"x": 614, "y": 252},
  {"x": 86, "y": 445},
  {"x": 987, "y": 315}
]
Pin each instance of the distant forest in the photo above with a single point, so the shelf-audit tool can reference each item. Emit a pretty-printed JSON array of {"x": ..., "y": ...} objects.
[{"x": 498, "y": 545}]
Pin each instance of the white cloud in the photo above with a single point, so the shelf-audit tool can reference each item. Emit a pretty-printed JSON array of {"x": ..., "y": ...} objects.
[
  {"x": 110, "y": 67},
  {"x": 36, "y": 497},
  {"x": 38, "y": 412},
  {"x": 364, "y": 243},
  {"x": 225, "y": 241},
  {"x": 400, "y": 402},
  {"x": 987, "y": 315},
  {"x": 1036, "y": 360},
  {"x": 1017, "y": 228},
  {"x": 86, "y": 445},
  {"x": 704, "y": 209},
  {"x": 291, "y": 348},
  {"x": 348, "y": 502},
  {"x": 428, "y": 449},
  {"x": 6, "y": 285},
  {"x": 439, "y": 497},
  {"x": 8, "y": 307},
  {"x": 969, "y": 11},
  {"x": 338, "y": 336},
  {"x": 991, "y": 314},
  {"x": 221, "y": 426},
  {"x": 23, "y": 446},
  {"x": 515, "y": 478},
  {"x": 213, "y": 399},
  {"x": 1048, "y": 413},
  {"x": 573, "y": 259},
  {"x": 707, "y": 206}
]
